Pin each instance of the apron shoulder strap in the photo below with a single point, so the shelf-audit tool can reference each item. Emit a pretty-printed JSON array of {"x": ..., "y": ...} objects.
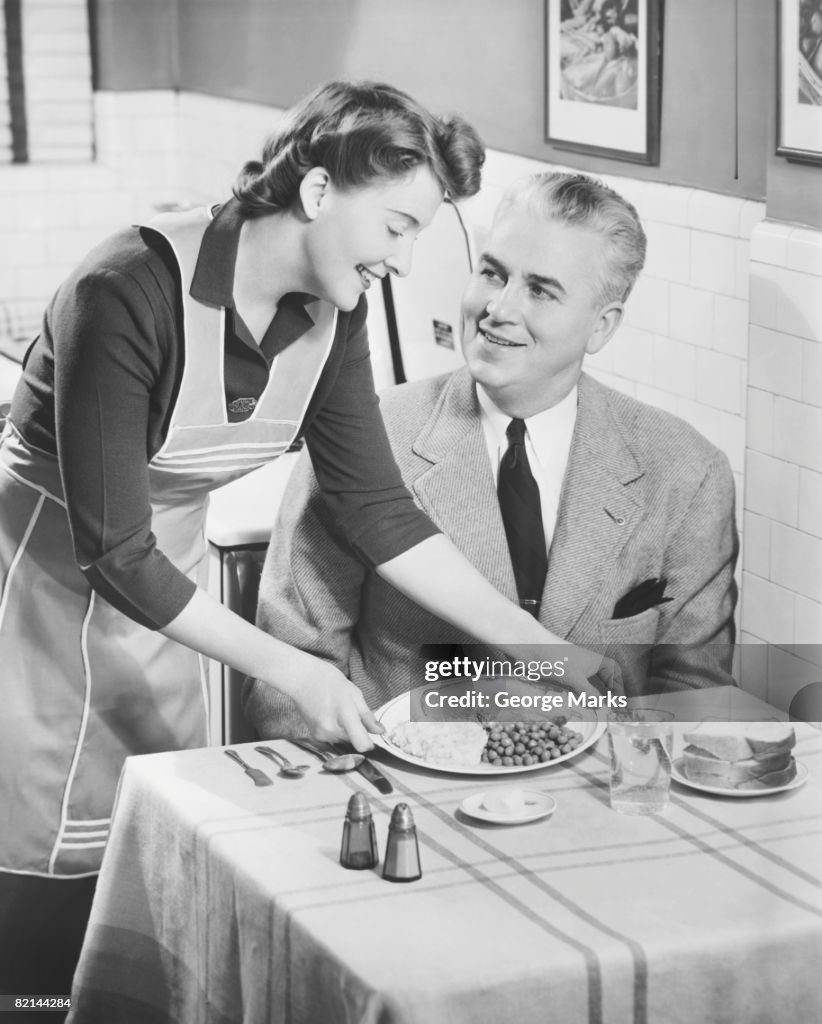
[{"x": 184, "y": 233}]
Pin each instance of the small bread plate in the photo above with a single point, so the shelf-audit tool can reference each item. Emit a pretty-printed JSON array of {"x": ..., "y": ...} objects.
[
  {"x": 534, "y": 805},
  {"x": 398, "y": 711},
  {"x": 798, "y": 780}
]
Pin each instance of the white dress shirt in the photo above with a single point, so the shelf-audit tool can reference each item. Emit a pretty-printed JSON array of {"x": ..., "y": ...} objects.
[{"x": 547, "y": 444}]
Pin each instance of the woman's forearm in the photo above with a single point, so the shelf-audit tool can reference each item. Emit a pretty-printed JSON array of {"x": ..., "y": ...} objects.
[
  {"x": 332, "y": 706},
  {"x": 437, "y": 576}
]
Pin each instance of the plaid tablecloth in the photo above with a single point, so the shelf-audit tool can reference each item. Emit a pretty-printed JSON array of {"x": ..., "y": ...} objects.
[{"x": 220, "y": 902}]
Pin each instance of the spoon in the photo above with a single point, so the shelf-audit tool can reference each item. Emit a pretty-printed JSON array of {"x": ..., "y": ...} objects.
[
  {"x": 342, "y": 762},
  {"x": 333, "y": 762},
  {"x": 291, "y": 771}
]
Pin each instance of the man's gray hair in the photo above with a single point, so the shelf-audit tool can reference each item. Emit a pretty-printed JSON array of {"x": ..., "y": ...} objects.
[{"x": 585, "y": 202}]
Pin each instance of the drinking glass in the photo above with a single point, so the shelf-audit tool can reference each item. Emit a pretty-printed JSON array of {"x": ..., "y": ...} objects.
[{"x": 641, "y": 741}]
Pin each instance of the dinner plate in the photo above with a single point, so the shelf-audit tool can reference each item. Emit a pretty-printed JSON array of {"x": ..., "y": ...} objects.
[
  {"x": 397, "y": 711},
  {"x": 799, "y": 779},
  {"x": 538, "y": 805}
]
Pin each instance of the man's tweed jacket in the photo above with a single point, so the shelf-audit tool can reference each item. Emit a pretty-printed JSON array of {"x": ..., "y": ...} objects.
[{"x": 644, "y": 496}]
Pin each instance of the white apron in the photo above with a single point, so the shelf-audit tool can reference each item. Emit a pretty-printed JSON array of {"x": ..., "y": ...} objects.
[{"x": 82, "y": 686}]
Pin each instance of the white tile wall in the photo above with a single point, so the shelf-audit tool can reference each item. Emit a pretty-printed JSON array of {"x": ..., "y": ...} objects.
[
  {"x": 669, "y": 252},
  {"x": 799, "y": 304},
  {"x": 797, "y": 430},
  {"x": 759, "y": 421},
  {"x": 757, "y": 553},
  {"x": 713, "y": 262},
  {"x": 775, "y": 362},
  {"x": 730, "y": 327},
  {"x": 674, "y": 367},
  {"x": 772, "y": 488},
  {"x": 808, "y": 625},
  {"x": 767, "y": 610},
  {"x": 796, "y": 561},
  {"x": 810, "y": 502},
  {"x": 782, "y": 594},
  {"x": 692, "y": 314},
  {"x": 714, "y": 213},
  {"x": 720, "y": 381},
  {"x": 812, "y": 372}
]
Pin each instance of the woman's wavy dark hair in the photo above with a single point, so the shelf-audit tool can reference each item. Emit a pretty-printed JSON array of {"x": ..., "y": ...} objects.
[{"x": 360, "y": 132}]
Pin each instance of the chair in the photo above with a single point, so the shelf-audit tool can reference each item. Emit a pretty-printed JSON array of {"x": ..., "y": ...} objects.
[{"x": 242, "y": 571}]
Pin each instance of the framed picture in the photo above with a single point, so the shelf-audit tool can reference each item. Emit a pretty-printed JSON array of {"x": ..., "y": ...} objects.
[
  {"x": 799, "y": 81},
  {"x": 603, "y": 77}
]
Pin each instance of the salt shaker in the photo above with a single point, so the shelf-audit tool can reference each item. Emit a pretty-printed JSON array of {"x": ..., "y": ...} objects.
[
  {"x": 402, "y": 852},
  {"x": 358, "y": 849}
]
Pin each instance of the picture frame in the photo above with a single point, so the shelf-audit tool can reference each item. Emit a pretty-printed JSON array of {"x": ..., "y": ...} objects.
[
  {"x": 799, "y": 81},
  {"x": 603, "y": 77}
]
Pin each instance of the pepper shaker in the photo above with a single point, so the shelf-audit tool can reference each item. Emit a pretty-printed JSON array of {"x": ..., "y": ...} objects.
[
  {"x": 358, "y": 849},
  {"x": 402, "y": 852}
]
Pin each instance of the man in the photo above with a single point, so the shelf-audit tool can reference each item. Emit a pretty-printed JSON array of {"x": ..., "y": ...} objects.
[{"x": 636, "y": 507}]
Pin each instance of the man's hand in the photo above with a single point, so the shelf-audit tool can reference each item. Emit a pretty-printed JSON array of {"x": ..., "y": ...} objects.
[{"x": 608, "y": 678}]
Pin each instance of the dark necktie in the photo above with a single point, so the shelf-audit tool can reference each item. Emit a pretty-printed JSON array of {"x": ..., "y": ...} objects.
[{"x": 522, "y": 517}]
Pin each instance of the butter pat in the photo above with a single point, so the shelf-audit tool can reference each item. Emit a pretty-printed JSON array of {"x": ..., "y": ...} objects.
[{"x": 508, "y": 800}]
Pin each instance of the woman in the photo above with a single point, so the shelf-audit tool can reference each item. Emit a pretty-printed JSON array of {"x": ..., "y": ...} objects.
[{"x": 179, "y": 356}]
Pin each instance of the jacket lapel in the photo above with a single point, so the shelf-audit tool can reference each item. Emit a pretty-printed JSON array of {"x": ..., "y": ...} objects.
[
  {"x": 457, "y": 488},
  {"x": 597, "y": 514},
  {"x": 598, "y": 509}
]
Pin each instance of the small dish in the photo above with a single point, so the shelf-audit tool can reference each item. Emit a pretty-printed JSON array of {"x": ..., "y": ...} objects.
[
  {"x": 798, "y": 780},
  {"x": 537, "y": 805}
]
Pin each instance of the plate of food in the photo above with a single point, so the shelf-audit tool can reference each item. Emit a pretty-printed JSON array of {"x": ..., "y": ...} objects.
[
  {"x": 483, "y": 748},
  {"x": 740, "y": 759},
  {"x": 509, "y": 805}
]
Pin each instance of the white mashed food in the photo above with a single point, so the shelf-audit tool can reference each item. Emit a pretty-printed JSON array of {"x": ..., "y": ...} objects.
[{"x": 448, "y": 743}]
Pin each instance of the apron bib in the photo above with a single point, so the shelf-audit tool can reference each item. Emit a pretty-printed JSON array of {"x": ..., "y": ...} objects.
[{"x": 82, "y": 685}]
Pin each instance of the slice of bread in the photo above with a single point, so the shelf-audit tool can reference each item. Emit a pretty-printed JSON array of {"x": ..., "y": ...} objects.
[
  {"x": 729, "y": 741},
  {"x": 731, "y": 774},
  {"x": 770, "y": 780}
]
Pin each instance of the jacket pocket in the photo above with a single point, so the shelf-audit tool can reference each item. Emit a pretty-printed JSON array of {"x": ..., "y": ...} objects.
[{"x": 636, "y": 629}]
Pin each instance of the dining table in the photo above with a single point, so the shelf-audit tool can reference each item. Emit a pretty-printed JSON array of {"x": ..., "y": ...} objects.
[{"x": 221, "y": 902}]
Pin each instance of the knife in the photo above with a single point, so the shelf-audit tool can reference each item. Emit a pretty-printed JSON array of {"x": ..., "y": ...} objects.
[
  {"x": 372, "y": 773},
  {"x": 257, "y": 774}
]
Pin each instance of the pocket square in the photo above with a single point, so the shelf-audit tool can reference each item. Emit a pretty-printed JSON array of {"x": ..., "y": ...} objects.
[{"x": 640, "y": 598}]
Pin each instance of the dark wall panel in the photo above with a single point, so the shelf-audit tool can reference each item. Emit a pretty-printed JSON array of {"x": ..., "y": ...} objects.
[
  {"x": 135, "y": 45},
  {"x": 480, "y": 57}
]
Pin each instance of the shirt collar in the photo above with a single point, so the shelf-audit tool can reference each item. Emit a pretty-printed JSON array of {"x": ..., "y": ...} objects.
[
  {"x": 548, "y": 431},
  {"x": 213, "y": 280}
]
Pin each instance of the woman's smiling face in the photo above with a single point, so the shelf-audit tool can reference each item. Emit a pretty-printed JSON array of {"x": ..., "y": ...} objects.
[
  {"x": 362, "y": 233},
  {"x": 533, "y": 308}
]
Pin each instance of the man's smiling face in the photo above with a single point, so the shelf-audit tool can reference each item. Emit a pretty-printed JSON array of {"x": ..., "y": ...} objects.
[{"x": 533, "y": 308}]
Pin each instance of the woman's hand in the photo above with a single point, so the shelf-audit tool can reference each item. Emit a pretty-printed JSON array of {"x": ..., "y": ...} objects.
[{"x": 333, "y": 708}]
